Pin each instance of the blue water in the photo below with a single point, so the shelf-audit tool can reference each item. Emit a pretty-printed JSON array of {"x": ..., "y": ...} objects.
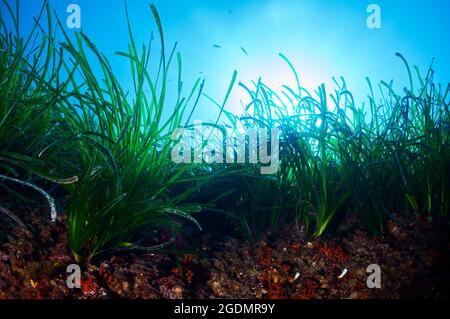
[{"x": 322, "y": 38}]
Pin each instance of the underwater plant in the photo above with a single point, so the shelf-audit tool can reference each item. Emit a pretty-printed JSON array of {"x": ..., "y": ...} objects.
[
  {"x": 30, "y": 86},
  {"x": 120, "y": 147},
  {"x": 423, "y": 150},
  {"x": 339, "y": 159},
  {"x": 308, "y": 172}
]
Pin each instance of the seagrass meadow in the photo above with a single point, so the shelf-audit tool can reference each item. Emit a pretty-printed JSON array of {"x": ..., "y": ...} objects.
[{"x": 88, "y": 176}]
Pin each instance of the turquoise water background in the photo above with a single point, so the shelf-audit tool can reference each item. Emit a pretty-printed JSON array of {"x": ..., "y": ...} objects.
[{"x": 322, "y": 39}]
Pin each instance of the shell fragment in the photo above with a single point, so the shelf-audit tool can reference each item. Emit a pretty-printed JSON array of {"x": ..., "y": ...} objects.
[{"x": 343, "y": 273}]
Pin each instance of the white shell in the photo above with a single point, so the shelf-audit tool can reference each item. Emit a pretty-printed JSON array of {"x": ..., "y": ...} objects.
[{"x": 344, "y": 272}]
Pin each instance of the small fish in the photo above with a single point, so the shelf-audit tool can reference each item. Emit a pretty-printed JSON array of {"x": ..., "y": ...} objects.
[
  {"x": 243, "y": 50},
  {"x": 297, "y": 275},
  {"x": 344, "y": 272},
  {"x": 216, "y": 46}
]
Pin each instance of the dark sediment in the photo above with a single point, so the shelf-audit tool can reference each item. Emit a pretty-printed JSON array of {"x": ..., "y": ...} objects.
[{"x": 284, "y": 263}]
